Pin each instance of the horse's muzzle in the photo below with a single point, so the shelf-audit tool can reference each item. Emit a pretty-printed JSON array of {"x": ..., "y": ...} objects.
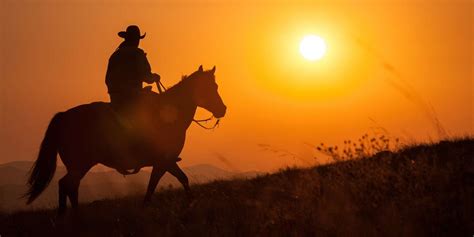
[{"x": 220, "y": 112}]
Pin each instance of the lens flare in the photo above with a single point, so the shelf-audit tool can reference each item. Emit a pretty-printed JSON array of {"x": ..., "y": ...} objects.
[{"x": 313, "y": 47}]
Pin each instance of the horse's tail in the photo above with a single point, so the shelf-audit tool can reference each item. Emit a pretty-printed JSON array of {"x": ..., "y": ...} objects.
[{"x": 45, "y": 166}]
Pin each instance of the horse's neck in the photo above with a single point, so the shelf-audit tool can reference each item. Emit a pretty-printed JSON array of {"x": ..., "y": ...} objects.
[{"x": 180, "y": 99}]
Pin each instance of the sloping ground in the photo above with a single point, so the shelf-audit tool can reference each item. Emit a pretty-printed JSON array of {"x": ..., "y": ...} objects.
[
  {"x": 425, "y": 190},
  {"x": 96, "y": 184}
]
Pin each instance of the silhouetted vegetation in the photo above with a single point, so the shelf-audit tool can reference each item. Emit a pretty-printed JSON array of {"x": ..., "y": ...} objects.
[
  {"x": 366, "y": 146},
  {"x": 423, "y": 190}
]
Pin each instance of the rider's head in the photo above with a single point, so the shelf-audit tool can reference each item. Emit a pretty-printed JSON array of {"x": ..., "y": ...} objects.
[{"x": 131, "y": 36}]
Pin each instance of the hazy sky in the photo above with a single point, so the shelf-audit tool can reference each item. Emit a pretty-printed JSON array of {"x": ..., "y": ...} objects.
[{"x": 54, "y": 55}]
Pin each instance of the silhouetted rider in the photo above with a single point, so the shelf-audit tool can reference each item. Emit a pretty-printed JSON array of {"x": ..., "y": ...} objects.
[{"x": 128, "y": 67}]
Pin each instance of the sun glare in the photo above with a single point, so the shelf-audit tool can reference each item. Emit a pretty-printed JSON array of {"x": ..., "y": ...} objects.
[{"x": 312, "y": 47}]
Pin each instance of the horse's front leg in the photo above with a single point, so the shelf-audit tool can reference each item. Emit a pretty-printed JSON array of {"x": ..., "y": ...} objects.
[
  {"x": 156, "y": 174},
  {"x": 181, "y": 176}
]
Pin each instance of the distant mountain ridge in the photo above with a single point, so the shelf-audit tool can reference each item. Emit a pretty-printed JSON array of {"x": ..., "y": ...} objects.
[{"x": 96, "y": 184}]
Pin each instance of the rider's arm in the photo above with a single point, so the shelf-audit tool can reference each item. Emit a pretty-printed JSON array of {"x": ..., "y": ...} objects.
[{"x": 145, "y": 69}]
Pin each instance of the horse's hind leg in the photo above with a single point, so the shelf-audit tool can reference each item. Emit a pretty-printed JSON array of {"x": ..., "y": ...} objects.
[
  {"x": 69, "y": 187},
  {"x": 74, "y": 191},
  {"x": 181, "y": 176},
  {"x": 62, "y": 196}
]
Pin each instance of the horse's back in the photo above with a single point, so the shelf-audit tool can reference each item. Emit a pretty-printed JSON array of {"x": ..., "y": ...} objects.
[
  {"x": 94, "y": 118},
  {"x": 92, "y": 108},
  {"x": 96, "y": 113}
]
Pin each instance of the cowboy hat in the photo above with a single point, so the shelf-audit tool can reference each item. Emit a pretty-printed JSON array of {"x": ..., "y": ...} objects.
[{"x": 132, "y": 32}]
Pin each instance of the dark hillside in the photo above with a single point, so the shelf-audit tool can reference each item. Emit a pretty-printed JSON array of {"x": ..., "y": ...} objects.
[{"x": 424, "y": 190}]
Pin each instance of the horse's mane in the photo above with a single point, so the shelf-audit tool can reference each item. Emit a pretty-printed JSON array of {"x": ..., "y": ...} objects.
[{"x": 181, "y": 83}]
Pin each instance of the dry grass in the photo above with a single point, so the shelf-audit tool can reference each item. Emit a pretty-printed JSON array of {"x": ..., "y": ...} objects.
[
  {"x": 424, "y": 190},
  {"x": 366, "y": 146}
]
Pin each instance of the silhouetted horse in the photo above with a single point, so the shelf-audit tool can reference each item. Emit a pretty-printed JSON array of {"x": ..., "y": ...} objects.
[{"x": 90, "y": 134}]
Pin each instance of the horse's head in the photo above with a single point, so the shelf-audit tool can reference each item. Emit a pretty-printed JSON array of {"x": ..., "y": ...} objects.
[{"x": 205, "y": 93}]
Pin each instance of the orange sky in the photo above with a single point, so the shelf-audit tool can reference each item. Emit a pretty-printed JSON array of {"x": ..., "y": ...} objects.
[{"x": 54, "y": 55}]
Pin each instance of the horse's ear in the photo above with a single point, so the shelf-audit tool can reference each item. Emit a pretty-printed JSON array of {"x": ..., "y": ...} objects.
[
  {"x": 213, "y": 70},
  {"x": 200, "y": 68}
]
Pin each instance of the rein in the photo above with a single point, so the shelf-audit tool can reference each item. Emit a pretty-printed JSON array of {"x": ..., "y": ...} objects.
[
  {"x": 200, "y": 121},
  {"x": 162, "y": 88}
]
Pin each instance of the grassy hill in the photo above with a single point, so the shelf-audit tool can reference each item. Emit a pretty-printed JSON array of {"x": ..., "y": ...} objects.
[
  {"x": 99, "y": 184},
  {"x": 424, "y": 190}
]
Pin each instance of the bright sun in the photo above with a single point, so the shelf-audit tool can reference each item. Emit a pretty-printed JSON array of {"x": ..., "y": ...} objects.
[{"x": 312, "y": 47}]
